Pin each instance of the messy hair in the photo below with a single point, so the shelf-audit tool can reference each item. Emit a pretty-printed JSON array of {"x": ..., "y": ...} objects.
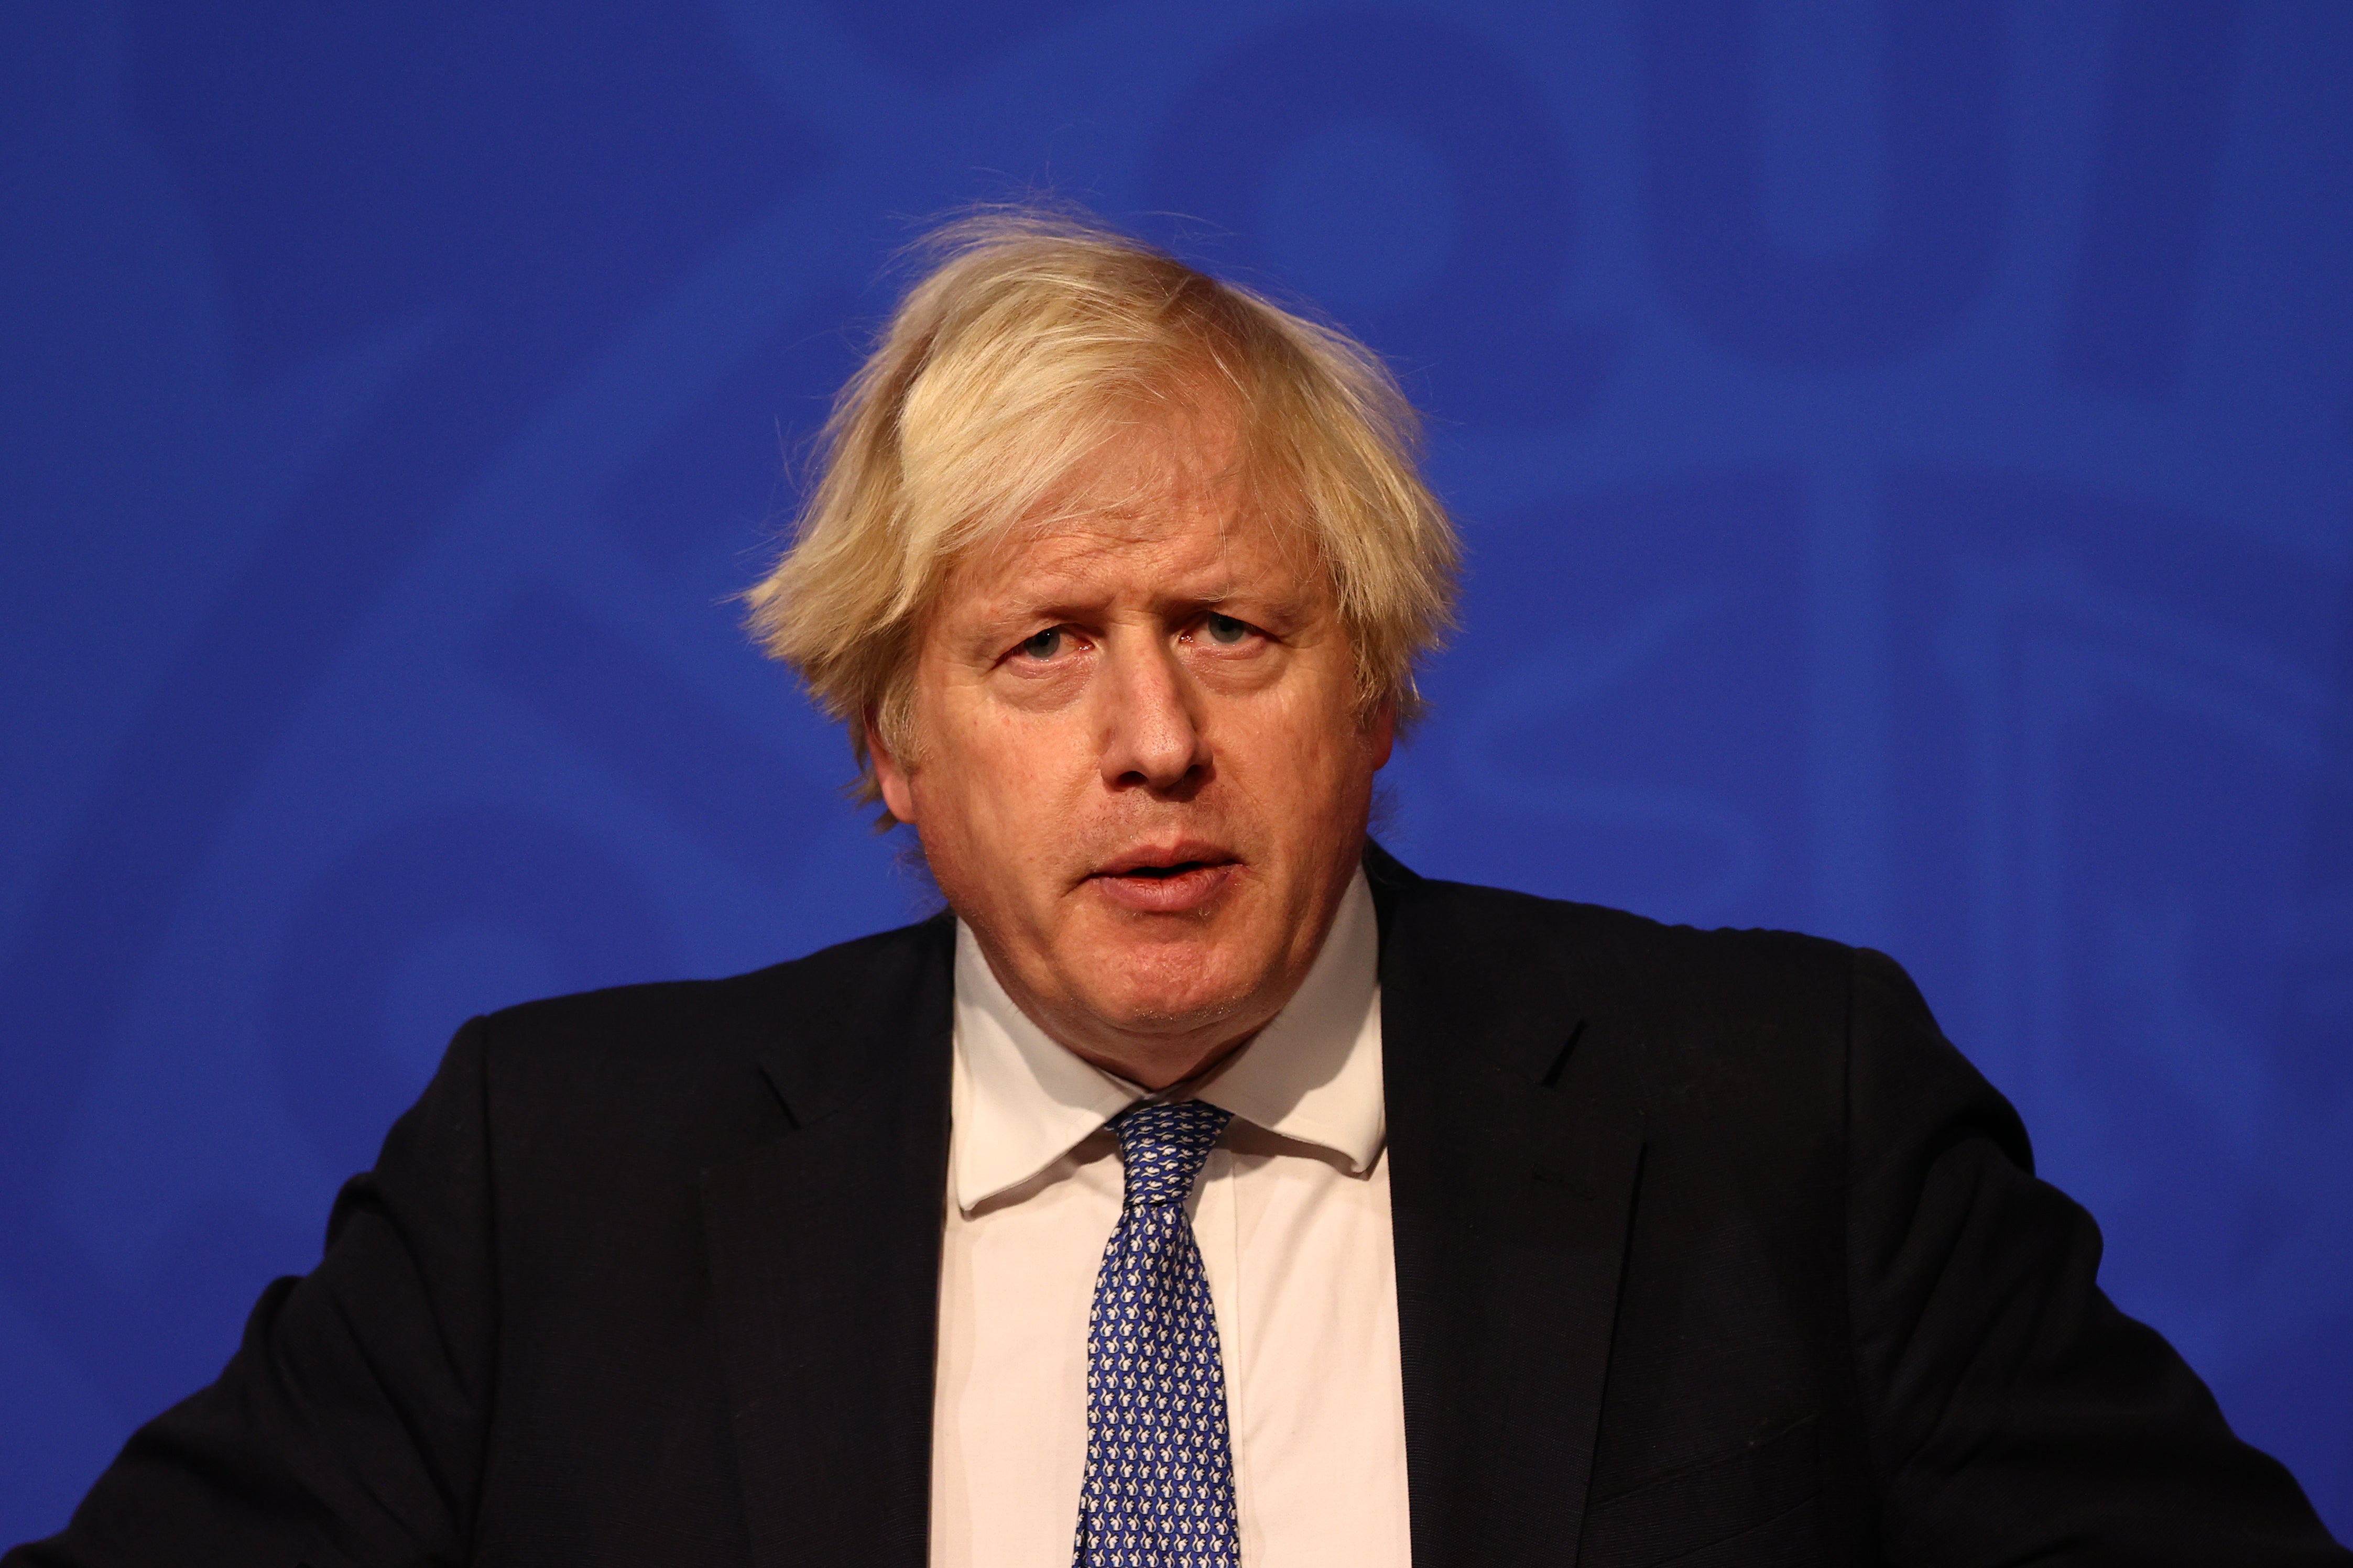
[{"x": 1033, "y": 334}]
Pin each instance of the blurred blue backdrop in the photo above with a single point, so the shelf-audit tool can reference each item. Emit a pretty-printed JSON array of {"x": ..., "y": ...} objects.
[{"x": 1905, "y": 448}]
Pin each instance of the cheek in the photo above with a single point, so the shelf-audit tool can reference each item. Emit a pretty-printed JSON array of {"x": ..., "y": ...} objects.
[
  {"x": 994, "y": 779},
  {"x": 1305, "y": 748}
]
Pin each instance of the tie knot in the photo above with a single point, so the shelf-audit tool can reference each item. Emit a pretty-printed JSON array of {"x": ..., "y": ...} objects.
[{"x": 1163, "y": 1147}]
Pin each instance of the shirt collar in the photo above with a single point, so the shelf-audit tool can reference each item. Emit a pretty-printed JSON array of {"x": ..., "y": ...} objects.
[{"x": 1313, "y": 1073}]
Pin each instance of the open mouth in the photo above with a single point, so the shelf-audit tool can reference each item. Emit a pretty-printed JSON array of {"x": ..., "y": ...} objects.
[
  {"x": 1162, "y": 873},
  {"x": 1178, "y": 881}
]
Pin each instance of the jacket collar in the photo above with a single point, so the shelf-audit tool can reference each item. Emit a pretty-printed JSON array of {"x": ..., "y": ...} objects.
[
  {"x": 1515, "y": 1142},
  {"x": 823, "y": 1249}
]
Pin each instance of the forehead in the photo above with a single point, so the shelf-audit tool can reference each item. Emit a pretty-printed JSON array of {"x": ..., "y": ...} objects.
[{"x": 1159, "y": 513}]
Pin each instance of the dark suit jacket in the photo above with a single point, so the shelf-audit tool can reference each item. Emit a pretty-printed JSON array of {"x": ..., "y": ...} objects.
[{"x": 1710, "y": 1251}]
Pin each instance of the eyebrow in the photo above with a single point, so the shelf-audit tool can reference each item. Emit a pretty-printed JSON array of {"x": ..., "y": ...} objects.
[{"x": 1207, "y": 596}]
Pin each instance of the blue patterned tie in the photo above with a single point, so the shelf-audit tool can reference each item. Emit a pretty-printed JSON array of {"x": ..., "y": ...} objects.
[{"x": 1159, "y": 1492}]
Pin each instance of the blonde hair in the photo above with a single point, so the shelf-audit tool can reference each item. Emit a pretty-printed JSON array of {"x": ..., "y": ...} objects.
[{"x": 1035, "y": 333}]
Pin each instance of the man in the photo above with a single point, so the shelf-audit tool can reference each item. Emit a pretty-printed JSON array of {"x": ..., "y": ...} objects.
[{"x": 1209, "y": 1188}]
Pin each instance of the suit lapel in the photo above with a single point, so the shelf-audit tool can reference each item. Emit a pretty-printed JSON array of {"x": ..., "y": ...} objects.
[
  {"x": 1515, "y": 1156},
  {"x": 823, "y": 1246}
]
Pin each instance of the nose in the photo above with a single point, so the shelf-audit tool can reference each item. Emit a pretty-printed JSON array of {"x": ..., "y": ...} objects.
[{"x": 1151, "y": 733}]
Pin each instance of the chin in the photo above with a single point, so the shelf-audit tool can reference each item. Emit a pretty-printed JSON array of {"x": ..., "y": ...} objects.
[{"x": 1177, "y": 992}]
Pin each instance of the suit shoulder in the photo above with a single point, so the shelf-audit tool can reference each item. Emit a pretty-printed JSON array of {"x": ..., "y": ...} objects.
[
  {"x": 1560, "y": 929},
  {"x": 686, "y": 1072},
  {"x": 1752, "y": 1012},
  {"x": 739, "y": 1014},
  {"x": 1741, "y": 1037}
]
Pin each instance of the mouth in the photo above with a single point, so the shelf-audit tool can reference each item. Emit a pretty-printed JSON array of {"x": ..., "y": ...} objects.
[{"x": 1178, "y": 878}]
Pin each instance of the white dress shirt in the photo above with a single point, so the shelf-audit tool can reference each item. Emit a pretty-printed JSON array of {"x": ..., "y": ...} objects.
[{"x": 1292, "y": 1216}]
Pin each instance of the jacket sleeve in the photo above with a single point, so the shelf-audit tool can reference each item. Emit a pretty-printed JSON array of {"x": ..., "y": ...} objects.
[
  {"x": 2017, "y": 1416},
  {"x": 348, "y": 1429}
]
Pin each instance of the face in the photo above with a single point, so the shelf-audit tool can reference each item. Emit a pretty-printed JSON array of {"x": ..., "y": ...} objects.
[{"x": 1139, "y": 769}]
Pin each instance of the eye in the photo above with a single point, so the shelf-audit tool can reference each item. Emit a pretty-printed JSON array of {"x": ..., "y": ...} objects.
[
  {"x": 1226, "y": 631},
  {"x": 1044, "y": 645}
]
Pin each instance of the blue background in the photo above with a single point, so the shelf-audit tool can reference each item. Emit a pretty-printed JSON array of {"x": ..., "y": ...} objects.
[{"x": 1905, "y": 451}]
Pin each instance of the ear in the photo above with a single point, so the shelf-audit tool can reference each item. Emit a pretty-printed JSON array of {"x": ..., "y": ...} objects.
[
  {"x": 896, "y": 782},
  {"x": 1379, "y": 733}
]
